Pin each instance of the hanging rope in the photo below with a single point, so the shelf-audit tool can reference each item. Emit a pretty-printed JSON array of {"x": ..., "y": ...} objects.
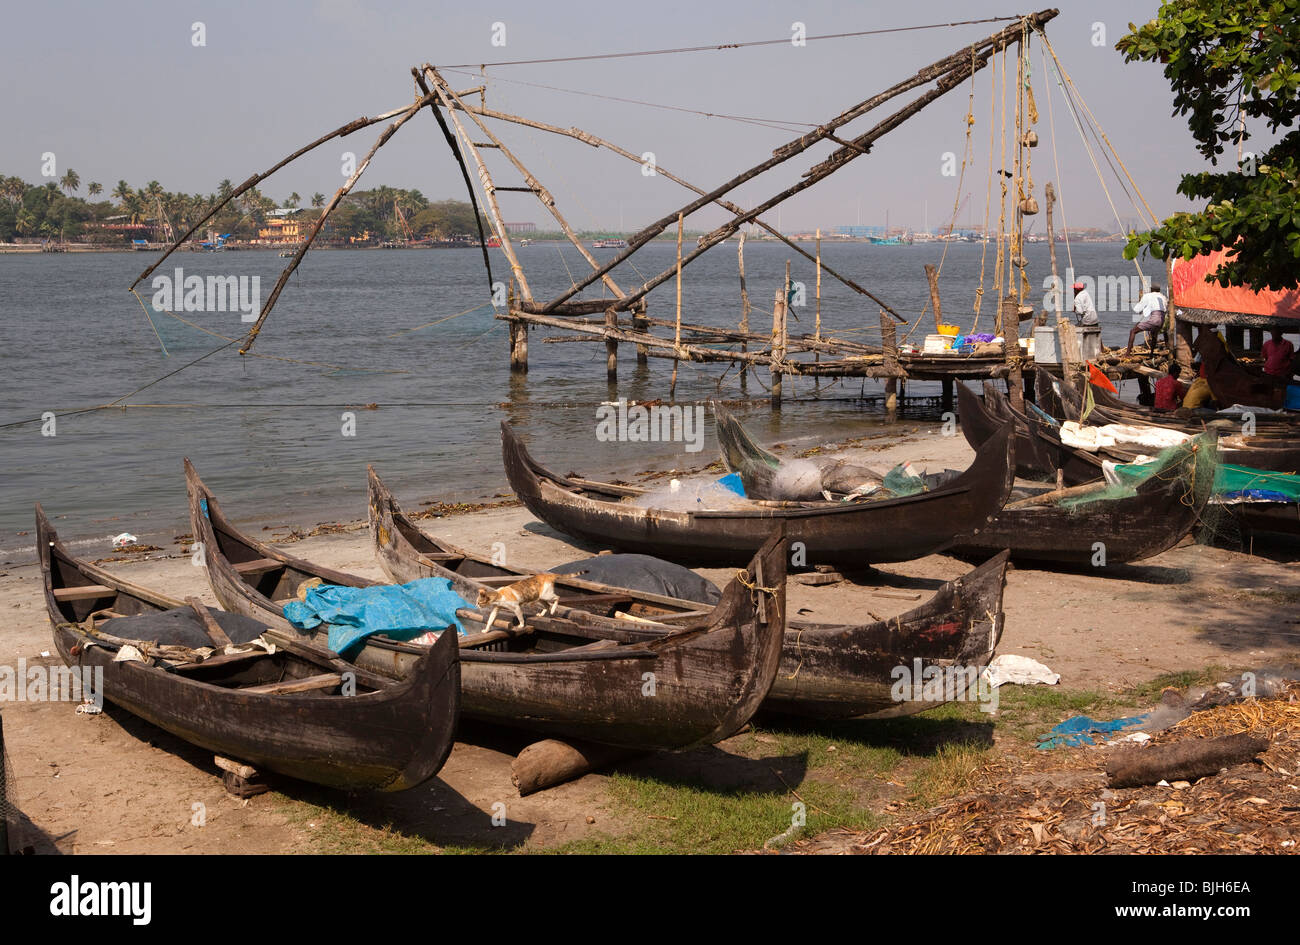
[{"x": 988, "y": 192}]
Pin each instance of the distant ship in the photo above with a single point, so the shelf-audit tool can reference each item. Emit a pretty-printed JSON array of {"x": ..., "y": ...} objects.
[{"x": 609, "y": 244}]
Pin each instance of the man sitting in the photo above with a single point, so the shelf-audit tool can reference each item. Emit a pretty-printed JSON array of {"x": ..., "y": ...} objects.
[
  {"x": 1152, "y": 308},
  {"x": 1084, "y": 311},
  {"x": 1170, "y": 390}
]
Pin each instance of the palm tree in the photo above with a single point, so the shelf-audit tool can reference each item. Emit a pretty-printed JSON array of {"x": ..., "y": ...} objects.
[
  {"x": 225, "y": 189},
  {"x": 318, "y": 200},
  {"x": 122, "y": 192},
  {"x": 95, "y": 189},
  {"x": 71, "y": 181},
  {"x": 293, "y": 200}
]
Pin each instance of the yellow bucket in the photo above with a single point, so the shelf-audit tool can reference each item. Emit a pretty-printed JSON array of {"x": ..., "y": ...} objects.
[{"x": 950, "y": 330}]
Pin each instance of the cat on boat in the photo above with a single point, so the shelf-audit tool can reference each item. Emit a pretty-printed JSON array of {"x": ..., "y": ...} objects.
[{"x": 538, "y": 588}]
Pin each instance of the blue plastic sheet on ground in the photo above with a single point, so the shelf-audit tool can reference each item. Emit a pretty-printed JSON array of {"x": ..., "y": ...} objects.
[
  {"x": 1081, "y": 729},
  {"x": 399, "y": 611},
  {"x": 733, "y": 482}
]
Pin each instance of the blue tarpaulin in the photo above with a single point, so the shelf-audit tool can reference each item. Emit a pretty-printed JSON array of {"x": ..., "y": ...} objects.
[
  {"x": 1080, "y": 730},
  {"x": 399, "y": 611}
]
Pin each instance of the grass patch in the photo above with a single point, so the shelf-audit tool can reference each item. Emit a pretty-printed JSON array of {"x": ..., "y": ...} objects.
[
  {"x": 684, "y": 818},
  {"x": 950, "y": 772}
]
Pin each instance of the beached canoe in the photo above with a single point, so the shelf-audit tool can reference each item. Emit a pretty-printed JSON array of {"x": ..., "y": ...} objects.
[
  {"x": 853, "y": 534},
  {"x": 827, "y": 671},
  {"x": 1089, "y": 526},
  {"x": 291, "y": 711},
  {"x": 571, "y": 675}
]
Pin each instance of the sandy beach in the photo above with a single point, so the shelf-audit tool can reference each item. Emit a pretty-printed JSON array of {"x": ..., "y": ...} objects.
[{"x": 111, "y": 783}]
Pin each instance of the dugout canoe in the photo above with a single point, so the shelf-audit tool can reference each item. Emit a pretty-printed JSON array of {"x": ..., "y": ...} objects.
[
  {"x": 853, "y": 534},
  {"x": 827, "y": 671},
  {"x": 290, "y": 711},
  {"x": 1042, "y": 450},
  {"x": 1084, "y": 526},
  {"x": 571, "y": 675}
]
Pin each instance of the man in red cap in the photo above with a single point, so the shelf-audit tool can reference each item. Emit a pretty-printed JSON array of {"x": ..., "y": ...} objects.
[{"x": 1084, "y": 311}]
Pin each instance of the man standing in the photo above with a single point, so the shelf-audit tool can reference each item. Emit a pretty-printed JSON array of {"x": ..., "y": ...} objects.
[
  {"x": 1152, "y": 308},
  {"x": 1085, "y": 313},
  {"x": 1278, "y": 355}
]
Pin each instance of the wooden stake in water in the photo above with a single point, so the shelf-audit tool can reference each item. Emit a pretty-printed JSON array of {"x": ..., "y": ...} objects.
[
  {"x": 817, "y": 327},
  {"x": 677, "y": 332},
  {"x": 744, "y": 314}
]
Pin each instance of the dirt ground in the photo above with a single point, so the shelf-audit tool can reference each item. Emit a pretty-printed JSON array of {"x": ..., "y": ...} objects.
[{"x": 111, "y": 783}]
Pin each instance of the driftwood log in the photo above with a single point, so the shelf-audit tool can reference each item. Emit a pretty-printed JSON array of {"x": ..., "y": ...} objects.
[
  {"x": 1182, "y": 761},
  {"x": 551, "y": 761}
]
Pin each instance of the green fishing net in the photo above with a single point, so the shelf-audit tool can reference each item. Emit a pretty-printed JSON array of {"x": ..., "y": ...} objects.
[{"x": 899, "y": 482}]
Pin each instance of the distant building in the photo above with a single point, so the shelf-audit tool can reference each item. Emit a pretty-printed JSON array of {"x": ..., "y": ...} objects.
[
  {"x": 280, "y": 230},
  {"x": 521, "y": 227},
  {"x": 860, "y": 232}
]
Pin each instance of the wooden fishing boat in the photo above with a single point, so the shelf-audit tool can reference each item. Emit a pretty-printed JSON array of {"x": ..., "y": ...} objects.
[
  {"x": 1036, "y": 440},
  {"x": 1275, "y": 447},
  {"x": 576, "y": 674},
  {"x": 289, "y": 711},
  {"x": 1045, "y": 525},
  {"x": 827, "y": 671},
  {"x": 854, "y": 534}
]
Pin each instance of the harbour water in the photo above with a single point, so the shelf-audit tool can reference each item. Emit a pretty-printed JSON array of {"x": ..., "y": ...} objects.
[{"x": 270, "y": 436}]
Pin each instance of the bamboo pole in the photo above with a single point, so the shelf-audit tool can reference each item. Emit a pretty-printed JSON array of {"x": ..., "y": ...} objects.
[
  {"x": 339, "y": 194},
  {"x": 611, "y": 347},
  {"x": 774, "y": 360},
  {"x": 597, "y": 142},
  {"x": 948, "y": 73},
  {"x": 448, "y": 98},
  {"x": 543, "y": 195},
  {"x": 817, "y": 329},
  {"x": 677, "y": 331},
  {"x": 342, "y": 131},
  {"x": 744, "y": 312}
]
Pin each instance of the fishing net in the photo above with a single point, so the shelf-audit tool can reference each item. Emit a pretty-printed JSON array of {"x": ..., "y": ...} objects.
[
  {"x": 8, "y": 807},
  {"x": 1227, "y": 493}
]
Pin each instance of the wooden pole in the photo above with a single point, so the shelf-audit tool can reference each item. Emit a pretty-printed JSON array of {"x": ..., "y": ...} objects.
[
  {"x": 889, "y": 339},
  {"x": 677, "y": 331},
  {"x": 543, "y": 195},
  {"x": 817, "y": 330},
  {"x": 639, "y": 324},
  {"x": 518, "y": 338},
  {"x": 932, "y": 276},
  {"x": 1049, "y": 197},
  {"x": 1011, "y": 332},
  {"x": 947, "y": 73},
  {"x": 778, "y": 316},
  {"x": 744, "y": 313},
  {"x": 611, "y": 347}
]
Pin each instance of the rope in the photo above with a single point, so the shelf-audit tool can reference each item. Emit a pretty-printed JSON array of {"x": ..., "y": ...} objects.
[
  {"x": 722, "y": 46},
  {"x": 778, "y": 124},
  {"x": 998, "y": 272},
  {"x": 988, "y": 191}
]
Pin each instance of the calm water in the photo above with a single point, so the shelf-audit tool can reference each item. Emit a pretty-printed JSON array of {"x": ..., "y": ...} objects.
[{"x": 267, "y": 434}]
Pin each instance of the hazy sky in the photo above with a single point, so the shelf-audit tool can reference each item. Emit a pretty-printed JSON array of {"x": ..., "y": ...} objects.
[{"x": 119, "y": 90}]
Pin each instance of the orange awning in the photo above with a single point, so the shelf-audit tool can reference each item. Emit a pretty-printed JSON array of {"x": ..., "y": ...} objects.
[{"x": 1190, "y": 290}]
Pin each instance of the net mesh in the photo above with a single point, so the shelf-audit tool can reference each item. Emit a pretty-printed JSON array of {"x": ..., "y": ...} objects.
[
  {"x": 1221, "y": 491},
  {"x": 8, "y": 813}
]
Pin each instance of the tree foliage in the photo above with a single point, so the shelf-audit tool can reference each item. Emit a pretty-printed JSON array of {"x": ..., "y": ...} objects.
[{"x": 1222, "y": 56}]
